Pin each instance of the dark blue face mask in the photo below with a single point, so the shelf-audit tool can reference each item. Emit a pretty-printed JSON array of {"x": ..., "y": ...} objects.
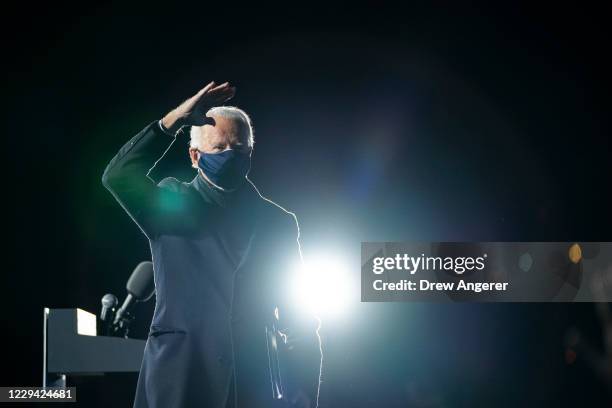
[{"x": 227, "y": 169}]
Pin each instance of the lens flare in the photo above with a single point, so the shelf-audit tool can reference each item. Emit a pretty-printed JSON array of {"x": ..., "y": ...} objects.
[{"x": 322, "y": 286}]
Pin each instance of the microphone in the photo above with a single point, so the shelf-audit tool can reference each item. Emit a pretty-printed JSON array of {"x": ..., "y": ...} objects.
[
  {"x": 109, "y": 301},
  {"x": 140, "y": 287}
]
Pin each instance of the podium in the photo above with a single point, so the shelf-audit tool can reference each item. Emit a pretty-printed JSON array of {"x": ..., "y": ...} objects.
[{"x": 71, "y": 346}]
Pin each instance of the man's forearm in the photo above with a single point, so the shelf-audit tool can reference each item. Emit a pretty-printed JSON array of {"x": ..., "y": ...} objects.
[
  {"x": 126, "y": 176},
  {"x": 134, "y": 160}
]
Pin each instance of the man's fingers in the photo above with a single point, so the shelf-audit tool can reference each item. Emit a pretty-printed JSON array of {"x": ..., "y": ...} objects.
[
  {"x": 219, "y": 87},
  {"x": 211, "y": 89},
  {"x": 221, "y": 95},
  {"x": 207, "y": 88},
  {"x": 229, "y": 93},
  {"x": 224, "y": 91},
  {"x": 222, "y": 98},
  {"x": 213, "y": 95}
]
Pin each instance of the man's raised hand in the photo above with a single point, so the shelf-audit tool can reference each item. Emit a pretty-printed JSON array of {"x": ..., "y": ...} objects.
[{"x": 192, "y": 112}]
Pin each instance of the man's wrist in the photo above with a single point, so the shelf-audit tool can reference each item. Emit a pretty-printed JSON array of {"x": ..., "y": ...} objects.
[
  {"x": 170, "y": 124},
  {"x": 167, "y": 131}
]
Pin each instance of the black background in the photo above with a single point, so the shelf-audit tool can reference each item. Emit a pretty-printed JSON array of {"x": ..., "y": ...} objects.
[{"x": 445, "y": 122}]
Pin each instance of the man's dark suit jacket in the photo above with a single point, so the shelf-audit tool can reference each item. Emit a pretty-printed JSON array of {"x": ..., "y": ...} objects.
[{"x": 222, "y": 263}]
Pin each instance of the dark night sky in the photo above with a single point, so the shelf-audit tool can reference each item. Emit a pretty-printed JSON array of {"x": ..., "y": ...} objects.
[{"x": 437, "y": 123}]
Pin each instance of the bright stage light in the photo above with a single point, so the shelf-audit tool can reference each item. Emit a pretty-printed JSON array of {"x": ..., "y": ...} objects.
[{"x": 323, "y": 286}]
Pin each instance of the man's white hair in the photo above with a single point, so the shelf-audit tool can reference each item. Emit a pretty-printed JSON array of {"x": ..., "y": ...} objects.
[{"x": 233, "y": 113}]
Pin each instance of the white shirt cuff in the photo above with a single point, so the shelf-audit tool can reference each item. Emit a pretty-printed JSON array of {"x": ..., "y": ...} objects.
[{"x": 163, "y": 129}]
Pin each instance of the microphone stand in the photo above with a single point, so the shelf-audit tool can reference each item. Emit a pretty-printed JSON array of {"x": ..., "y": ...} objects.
[{"x": 121, "y": 327}]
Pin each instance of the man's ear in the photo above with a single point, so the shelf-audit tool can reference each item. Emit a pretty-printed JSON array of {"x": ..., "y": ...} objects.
[{"x": 194, "y": 155}]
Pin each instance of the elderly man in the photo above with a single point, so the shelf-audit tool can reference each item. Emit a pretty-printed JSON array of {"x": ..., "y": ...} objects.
[{"x": 223, "y": 257}]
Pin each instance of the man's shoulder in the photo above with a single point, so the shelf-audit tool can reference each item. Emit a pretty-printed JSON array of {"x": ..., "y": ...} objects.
[{"x": 282, "y": 218}]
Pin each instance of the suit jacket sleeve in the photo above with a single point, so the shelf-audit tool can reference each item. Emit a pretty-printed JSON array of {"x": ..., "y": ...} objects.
[
  {"x": 126, "y": 177},
  {"x": 303, "y": 352}
]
